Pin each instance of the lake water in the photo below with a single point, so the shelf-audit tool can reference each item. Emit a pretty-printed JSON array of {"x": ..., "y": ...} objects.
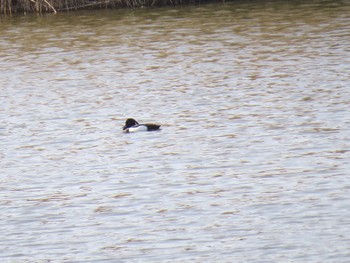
[{"x": 252, "y": 162}]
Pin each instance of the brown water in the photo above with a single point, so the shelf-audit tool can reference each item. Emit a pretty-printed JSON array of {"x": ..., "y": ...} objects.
[{"x": 251, "y": 165}]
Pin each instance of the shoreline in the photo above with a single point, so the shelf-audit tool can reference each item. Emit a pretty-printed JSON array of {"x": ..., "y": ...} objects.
[{"x": 17, "y": 7}]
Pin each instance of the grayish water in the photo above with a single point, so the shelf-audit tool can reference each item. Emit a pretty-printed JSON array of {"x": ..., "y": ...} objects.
[{"x": 252, "y": 163}]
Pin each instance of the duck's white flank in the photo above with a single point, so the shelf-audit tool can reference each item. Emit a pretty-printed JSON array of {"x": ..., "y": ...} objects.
[{"x": 138, "y": 128}]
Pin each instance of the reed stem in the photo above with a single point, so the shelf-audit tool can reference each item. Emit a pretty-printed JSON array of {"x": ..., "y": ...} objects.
[{"x": 8, "y": 7}]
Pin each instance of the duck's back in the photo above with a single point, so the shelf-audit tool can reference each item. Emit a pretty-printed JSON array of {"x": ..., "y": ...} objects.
[{"x": 152, "y": 127}]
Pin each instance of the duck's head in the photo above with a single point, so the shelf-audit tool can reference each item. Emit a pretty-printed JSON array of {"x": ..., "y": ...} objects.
[{"x": 129, "y": 123}]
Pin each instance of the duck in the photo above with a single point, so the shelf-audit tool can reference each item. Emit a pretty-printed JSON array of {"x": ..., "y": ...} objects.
[{"x": 131, "y": 125}]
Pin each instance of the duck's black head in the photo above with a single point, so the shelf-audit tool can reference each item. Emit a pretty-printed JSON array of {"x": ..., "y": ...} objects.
[{"x": 129, "y": 123}]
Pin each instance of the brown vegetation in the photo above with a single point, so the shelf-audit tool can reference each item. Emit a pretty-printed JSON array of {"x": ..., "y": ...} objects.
[{"x": 54, "y": 6}]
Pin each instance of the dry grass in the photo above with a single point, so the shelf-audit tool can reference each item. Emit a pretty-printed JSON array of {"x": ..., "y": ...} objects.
[{"x": 55, "y": 6}]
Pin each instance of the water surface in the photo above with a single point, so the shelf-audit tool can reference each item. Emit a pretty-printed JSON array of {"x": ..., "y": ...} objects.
[{"x": 252, "y": 162}]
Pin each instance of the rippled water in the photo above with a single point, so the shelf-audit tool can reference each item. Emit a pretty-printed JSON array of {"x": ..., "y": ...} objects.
[{"x": 252, "y": 162}]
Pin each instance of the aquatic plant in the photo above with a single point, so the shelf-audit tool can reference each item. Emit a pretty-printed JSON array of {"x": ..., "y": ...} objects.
[{"x": 54, "y": 6}]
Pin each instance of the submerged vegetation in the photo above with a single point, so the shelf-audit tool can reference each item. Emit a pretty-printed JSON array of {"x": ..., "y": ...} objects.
[{"x": 55, "y": 6}]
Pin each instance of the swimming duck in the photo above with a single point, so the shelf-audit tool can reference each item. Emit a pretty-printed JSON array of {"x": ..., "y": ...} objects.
[{"x": 133, "y": 126}]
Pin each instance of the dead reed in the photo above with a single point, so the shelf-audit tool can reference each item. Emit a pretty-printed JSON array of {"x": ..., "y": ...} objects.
[{"x": 8, "y": 7}]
